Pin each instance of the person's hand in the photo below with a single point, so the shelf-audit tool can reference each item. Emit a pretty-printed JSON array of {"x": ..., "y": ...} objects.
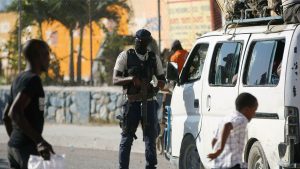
[
  {"x": 45, "y": 149},
  {"x": 161, "y": 84},
  {"x": 136, "y": 81},
  {"x": 214, "y": 155}
]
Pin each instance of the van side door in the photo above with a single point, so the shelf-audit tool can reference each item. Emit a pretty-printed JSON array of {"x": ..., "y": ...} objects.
[
  {"x": 263, "y": 75},
  {"x": 186, "y": 96},
  {"x": 220, "y": 87}
]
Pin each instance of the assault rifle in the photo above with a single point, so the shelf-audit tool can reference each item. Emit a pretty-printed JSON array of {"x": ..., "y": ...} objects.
[
  {"x": 145, "y": 97},
  {"x": 144, "y": 106}
]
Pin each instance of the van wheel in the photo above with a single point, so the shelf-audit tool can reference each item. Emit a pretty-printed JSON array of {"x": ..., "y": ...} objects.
[
  {"x": 257, "y": 158},
  {"x": 189, "y": 157}
]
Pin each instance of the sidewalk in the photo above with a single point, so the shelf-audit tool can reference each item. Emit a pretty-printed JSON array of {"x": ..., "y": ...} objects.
[{"x": 93, "y": 137}]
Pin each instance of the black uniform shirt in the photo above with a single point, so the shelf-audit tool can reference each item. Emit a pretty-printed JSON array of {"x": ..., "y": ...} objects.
[{"x": 30, "y": 84}]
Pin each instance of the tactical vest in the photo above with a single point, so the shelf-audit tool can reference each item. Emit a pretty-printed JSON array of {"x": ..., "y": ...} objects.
[{"x": 142, "y": 69}]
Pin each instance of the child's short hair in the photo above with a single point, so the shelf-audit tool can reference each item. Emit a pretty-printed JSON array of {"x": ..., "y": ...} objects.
[{"x": 245, "y": 100}]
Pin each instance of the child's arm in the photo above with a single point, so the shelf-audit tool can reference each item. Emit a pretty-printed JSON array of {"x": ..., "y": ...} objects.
[
  {"x": 226, "y": 131},
  {"x": 215, "y": 139},
  {"x": 213, "y": 142}
]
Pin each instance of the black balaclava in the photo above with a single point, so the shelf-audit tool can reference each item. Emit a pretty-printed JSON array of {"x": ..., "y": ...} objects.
[{"x": 142, "y": 40}]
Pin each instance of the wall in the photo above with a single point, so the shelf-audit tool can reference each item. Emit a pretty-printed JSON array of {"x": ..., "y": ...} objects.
[
  {"x": 188, "y": 18},
  {"x": 145, "y": 15},
  {"x": 180, "y": 19},
  {"x": 78, "y": 105}
]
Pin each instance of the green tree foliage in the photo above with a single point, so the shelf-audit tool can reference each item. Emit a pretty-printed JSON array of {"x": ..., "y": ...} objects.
[
  {"x": 28, "y": 18},
  {"x": 68, "y": 13},
  {"x": 72, "y": 14},
  {"x": 56, "y": 78},
  {"x": 34, "y": 12},
  {"x": 114, "y": 45},
  {"x": 95, "y": 10}
]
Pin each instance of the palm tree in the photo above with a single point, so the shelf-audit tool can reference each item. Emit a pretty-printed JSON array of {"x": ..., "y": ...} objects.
[
  {"x": 98, "y": 10},
  {"x": 33, "y": 12},
  {"x": 71, "y": 14},
  {"x": 68, "y": 13}
]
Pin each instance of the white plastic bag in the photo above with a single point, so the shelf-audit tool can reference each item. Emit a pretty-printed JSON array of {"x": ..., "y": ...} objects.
[{"x": 37, "y": 162}]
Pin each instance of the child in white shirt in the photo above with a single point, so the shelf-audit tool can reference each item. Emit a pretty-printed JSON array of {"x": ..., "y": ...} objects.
[{"x": 229, "y": 140}]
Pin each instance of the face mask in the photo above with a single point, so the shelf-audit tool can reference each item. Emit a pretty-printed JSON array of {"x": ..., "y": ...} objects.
[{"x": 141, "y": 46}]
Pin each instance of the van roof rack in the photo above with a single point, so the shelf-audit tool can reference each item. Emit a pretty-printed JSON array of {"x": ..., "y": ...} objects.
[{"x": 257, "y": 21}]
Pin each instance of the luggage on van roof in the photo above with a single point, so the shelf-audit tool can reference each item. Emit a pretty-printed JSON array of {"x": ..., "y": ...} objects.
[{"x": 251, "y": 11}]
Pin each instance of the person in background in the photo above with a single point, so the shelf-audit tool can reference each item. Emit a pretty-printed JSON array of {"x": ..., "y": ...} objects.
[
  {"x": 179, "y": 55},
  {"x": 24, "y": 113}
]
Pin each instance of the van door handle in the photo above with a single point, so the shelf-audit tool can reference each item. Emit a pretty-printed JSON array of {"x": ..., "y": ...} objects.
[
  {"x": 208, "y": 100},
  {"x": 196, "y": 103}
]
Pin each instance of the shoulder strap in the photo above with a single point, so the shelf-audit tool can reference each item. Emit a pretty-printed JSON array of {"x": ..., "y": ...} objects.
[
  {"x": 131, "y": 53},
  {"x": 152, "y": 55},
  {"x": 153, "y": 62}
]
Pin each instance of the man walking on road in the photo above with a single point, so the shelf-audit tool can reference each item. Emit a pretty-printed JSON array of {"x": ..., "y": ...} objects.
[
  {"x": 24, "y": 114},
  {"x": 135, "y": 69}
]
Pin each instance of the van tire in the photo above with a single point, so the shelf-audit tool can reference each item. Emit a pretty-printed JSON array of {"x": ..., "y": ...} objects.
[
  {"x": 189, "y": 157},
  {"x": 257, "y": 158}
]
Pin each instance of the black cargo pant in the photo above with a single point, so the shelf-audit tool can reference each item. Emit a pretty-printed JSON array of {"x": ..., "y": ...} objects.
[
  {"x": 236, "y": 167},
  {"x": 132, "y": 118},
  {"x": 18, "y": 157},
  {"x": 292, "y": 14}
]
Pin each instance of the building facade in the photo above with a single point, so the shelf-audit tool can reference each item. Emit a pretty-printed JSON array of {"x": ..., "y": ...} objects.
[{"x": 180, "y": 19}]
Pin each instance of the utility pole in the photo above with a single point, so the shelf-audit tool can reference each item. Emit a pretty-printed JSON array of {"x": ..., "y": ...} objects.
[
  {"x": 91, "y": 41},
  {"x": 20, "y": 36},
  {"x": 159, "y": 27}
]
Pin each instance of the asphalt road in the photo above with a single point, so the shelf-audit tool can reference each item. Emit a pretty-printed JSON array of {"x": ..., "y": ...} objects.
[{"x": 80, "y": 158}]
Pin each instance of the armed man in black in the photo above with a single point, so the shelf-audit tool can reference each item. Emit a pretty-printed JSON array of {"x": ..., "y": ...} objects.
[{"x": 141, "y": 74}]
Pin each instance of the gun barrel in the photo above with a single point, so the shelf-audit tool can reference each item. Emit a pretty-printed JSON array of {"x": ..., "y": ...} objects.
[{"x": 144, "y": 105}]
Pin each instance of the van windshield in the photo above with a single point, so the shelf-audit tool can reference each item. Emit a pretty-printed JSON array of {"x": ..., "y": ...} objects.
[{"x": 194, "y": 66}]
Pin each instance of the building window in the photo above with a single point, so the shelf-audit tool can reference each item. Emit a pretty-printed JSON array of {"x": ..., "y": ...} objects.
[
  {"x": 225, "y": 64},
  {"x": 263, "y": 64}
]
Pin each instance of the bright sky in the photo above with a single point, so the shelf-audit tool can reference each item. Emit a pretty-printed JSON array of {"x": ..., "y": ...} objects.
[{"x": 4, "y": 3}]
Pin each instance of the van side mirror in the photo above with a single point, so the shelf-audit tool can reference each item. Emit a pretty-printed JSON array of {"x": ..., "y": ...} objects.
[{"x": 172, "y": 71}]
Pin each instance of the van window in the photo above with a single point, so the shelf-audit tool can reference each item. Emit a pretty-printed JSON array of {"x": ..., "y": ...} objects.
[
  {"x": 264, "y": 63},
  {"x": 193, "y": 68},
  {"x": 225, "y": 64}
]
